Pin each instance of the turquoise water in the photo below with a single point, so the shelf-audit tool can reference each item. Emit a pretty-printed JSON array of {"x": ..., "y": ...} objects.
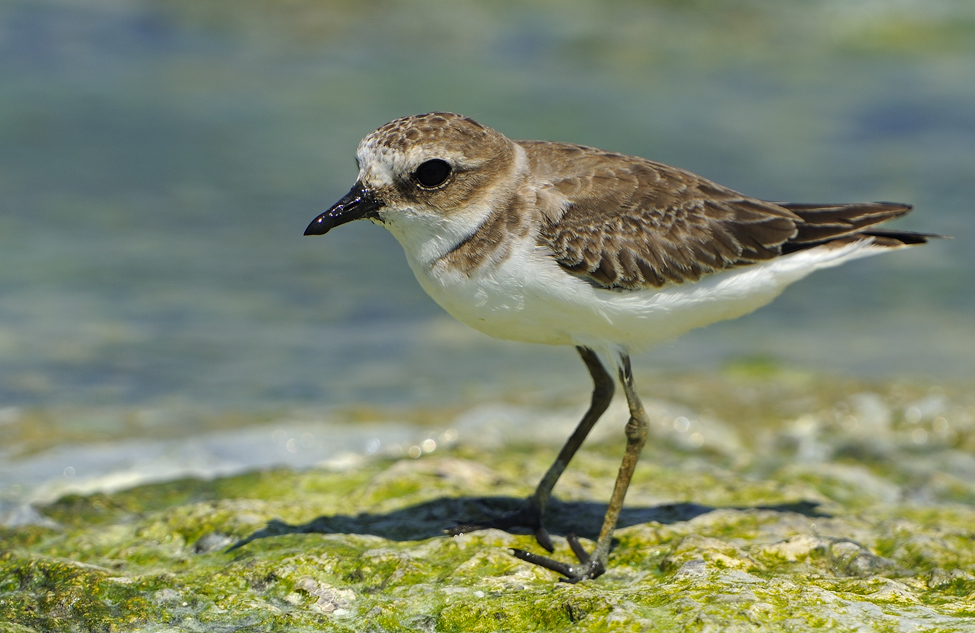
[{"x": 160, "y": 160}]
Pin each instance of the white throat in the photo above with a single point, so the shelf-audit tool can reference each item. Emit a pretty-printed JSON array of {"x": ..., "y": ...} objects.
[{"x": 427, "y": 235}]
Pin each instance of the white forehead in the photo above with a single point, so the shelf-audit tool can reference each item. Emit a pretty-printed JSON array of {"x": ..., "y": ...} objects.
[{"x": 380, "y": 165}]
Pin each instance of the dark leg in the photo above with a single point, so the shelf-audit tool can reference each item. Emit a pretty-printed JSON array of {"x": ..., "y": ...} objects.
[
  {"x": 530, "y": 514},
  {"x": 592, "y": 566}
]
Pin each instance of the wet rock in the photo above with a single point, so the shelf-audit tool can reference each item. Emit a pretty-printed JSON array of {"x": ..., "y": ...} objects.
[{"x": 782, "y": 535}]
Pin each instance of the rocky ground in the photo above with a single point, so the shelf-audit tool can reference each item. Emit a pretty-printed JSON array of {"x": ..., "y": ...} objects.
[{"x": 779, "y": 503}]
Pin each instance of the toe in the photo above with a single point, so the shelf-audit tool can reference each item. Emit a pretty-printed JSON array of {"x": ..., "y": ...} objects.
[
  {"x": 585, "y": 570},
  {"x": 543, "y": 538}
]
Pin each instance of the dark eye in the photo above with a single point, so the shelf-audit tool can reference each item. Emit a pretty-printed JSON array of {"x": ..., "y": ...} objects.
[{"x": 432, "y": 173}]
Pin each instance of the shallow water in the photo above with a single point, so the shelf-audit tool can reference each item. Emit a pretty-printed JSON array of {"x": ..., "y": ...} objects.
[{"x": 159, "y": 161}]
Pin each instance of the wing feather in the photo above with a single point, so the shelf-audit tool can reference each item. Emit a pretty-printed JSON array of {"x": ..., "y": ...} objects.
[{"x": 630, "y": 223}]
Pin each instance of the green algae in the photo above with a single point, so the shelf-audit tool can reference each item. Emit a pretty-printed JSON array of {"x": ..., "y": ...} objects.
[{"x": 804, "y": 523}]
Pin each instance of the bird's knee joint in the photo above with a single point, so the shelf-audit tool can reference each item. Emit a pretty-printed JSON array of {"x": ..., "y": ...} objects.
[{"x": 636, "y": 430}]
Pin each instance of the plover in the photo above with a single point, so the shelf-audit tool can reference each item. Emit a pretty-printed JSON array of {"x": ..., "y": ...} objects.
[{"x": 564, "y": 244}]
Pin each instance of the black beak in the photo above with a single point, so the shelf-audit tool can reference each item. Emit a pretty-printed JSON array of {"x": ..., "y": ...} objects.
[{"x": 357, "y": 204}]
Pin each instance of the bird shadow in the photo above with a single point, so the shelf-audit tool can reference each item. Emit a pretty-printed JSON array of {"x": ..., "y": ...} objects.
[{"x": 433, "y": 518}]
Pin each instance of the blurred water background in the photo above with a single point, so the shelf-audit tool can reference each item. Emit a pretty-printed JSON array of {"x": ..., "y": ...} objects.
[{"x": 161, "y": 313}]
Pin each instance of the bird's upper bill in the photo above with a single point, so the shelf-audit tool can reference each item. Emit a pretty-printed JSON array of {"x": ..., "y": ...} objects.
[{"x": 357, "y": 204}]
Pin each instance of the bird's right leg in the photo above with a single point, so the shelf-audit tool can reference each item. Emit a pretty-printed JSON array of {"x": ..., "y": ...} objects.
[{"x": 530, "y": 514}]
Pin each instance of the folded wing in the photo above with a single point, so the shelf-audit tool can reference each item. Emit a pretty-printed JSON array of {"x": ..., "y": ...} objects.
[{"x": 629, "y": 223}]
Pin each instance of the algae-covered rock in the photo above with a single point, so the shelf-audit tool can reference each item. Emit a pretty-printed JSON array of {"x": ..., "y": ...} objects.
[{"x": 803, "y": 521}]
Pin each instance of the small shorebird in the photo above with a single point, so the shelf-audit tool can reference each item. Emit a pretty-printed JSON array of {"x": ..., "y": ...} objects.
[{"x": 570, "y": 245}]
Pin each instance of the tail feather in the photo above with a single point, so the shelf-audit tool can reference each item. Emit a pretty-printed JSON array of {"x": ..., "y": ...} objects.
[{"x": 844, "y": 223}]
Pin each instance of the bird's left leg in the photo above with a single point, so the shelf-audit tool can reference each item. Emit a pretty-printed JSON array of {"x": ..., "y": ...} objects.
[
  {"x": 532, "y": 510},
  {"x": 593, "y": 565}
]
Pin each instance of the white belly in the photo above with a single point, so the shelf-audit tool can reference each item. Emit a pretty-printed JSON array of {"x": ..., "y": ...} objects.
[{"x": 528, "y": 297}]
